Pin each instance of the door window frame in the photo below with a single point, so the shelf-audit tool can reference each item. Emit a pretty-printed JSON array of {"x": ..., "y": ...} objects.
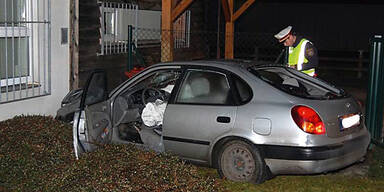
[{"x": 87, "y": 86}]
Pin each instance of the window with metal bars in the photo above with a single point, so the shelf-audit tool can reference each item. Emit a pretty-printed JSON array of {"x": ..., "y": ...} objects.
[{"x": 24, "y": 49}]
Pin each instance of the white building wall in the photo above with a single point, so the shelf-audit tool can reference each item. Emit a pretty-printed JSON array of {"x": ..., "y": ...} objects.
[{"x": 47, "y": 105}]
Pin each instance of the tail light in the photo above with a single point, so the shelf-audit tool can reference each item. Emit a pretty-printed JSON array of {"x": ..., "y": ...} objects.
[{"x": 308, "y": 120}]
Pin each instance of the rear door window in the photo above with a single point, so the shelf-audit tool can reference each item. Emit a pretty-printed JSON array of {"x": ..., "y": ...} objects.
[
  {"x": 243, "y": 89},
  {"x": 205, "y": 87},
  {"x": 298, "y": 84}
]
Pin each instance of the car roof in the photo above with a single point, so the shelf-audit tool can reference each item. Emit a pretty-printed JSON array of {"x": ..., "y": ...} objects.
[
  {"x": 233, "y": 64},
  {"x": 229, "y": 65}
]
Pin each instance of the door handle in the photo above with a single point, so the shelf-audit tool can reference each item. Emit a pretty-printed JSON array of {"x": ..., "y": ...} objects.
[{"x": 223, "y": 119}]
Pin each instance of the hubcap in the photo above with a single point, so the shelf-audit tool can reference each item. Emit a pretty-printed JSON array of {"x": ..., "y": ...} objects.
[{"x": 238, "y": 163}]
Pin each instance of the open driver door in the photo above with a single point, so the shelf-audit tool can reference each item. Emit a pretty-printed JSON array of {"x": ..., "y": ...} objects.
[{"x": 92, "y": 122}]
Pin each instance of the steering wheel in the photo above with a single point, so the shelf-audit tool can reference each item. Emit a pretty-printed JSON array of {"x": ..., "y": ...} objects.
[{"x": 152, "y": 94}]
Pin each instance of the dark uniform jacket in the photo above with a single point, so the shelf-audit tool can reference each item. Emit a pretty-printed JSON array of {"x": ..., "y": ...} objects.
[{"x": 310, "y": 54}]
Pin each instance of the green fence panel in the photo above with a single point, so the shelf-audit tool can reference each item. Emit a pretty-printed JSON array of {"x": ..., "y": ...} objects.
[
  {"x": 375, "y": 94},
  {"x": 130, "y": 56}
]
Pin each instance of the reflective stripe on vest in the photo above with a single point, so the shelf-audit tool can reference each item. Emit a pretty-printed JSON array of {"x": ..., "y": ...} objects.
[
  {"x": 310, "y": 72},
  {"x": 297, "y": 55}
]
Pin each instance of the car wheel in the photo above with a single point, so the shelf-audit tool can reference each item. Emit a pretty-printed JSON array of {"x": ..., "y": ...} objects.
[{"x": 239, "y": 161}]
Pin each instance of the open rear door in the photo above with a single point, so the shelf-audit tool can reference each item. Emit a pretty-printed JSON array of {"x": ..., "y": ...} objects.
[{"x": 92, "y": 122}]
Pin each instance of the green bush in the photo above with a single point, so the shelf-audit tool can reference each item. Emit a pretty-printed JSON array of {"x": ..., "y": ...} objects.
[{"x": 36, "y": 154}]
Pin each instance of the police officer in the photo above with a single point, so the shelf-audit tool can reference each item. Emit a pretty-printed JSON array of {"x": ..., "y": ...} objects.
[{"x": 302, "y": 53}]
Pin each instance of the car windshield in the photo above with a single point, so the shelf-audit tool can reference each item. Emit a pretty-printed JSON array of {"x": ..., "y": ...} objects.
[{"x": 297, "y": 83}]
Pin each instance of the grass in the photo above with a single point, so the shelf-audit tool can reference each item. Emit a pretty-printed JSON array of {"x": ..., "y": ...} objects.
[
  {"x": 376, "y": 168},
  {"x": 329, "y": 182},
  {"x": 36, "y": 155}
]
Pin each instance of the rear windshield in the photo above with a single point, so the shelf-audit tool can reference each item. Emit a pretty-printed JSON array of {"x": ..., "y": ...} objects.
[{"x": 298, "y": 84}]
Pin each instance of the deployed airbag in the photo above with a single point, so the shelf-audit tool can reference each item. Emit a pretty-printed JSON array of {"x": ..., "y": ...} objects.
[{"x": 153, "y": 113}]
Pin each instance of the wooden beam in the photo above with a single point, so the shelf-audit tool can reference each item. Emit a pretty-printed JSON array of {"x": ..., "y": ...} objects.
[
  {"x": 242, "y": 9},
  {"x": 230, "y": 19},
  {"x": 229, "y": 33},
  {"x": 230, "y": 6},
  {"x": 166, "y": 14},
  {"x": 174, "y": 3},
  {"x": 229, "y": 36},
  {"x": 226, "y": 12},
  {"x": 74, "y": 46},
  {"x": 180, "y": 8},
  {"x": 166, "y": 33}
]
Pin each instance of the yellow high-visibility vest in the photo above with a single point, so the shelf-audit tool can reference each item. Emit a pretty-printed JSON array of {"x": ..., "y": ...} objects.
[{"x": 297, "y": 57}]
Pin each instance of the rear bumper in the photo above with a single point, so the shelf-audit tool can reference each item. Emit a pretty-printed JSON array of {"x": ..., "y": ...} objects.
[{"x": 311, "y": 160}]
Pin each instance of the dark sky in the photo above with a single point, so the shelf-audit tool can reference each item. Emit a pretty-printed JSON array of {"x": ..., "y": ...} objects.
[
  {"x": 326, "y": 1},
  {"x": 340, "y": 25},
  {"x": 331, "y": 24}
]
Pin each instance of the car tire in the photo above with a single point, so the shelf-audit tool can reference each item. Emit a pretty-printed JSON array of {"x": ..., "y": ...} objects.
[{"x": 239, "y": 161}]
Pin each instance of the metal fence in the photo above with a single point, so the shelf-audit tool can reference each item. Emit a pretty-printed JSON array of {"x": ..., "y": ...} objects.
[
  {"x": 335, "y": 66},
  {"x": 375, "y": 104},
  {"x": 205, "y": 45},
  {"x": 24, "y": 49},
  {"x": 114, "y": 21}
]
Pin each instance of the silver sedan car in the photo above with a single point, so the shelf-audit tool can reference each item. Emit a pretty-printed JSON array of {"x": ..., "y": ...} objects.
[{"x": 249, "y": 121}]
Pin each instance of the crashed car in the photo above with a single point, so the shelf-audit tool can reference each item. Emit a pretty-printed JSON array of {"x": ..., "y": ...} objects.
[
  {"x": 69, "y": 104},
  {"x": 249, "y": 121}
]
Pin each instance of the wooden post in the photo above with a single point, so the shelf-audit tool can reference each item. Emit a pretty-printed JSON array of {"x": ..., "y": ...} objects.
[
  {"x": 229, "y": 38},
  {"x": 229, "y": 32},
  {"x": 230, "y": 19},
  {"x": 170, "y": 11},
  {"x": 227, "y": 14},
  {"x": 166, "y": 33}
]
